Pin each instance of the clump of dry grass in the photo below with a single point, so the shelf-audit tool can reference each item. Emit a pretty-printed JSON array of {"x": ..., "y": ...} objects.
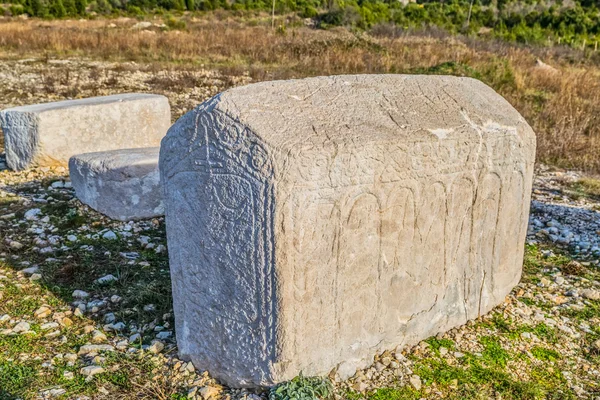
[{"x": 563, "y": 106}]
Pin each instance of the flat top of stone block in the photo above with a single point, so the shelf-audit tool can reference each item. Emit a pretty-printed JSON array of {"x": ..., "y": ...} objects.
[
  {"x": 90, "y": 101},
  {"x": 141, "y": 159},
  {"x": 362, "y": 108}
]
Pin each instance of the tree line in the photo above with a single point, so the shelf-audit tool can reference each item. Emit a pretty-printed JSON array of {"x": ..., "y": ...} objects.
[{"x": 534, "y": 22}]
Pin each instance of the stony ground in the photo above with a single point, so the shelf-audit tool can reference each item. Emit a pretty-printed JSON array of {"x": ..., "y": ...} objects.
[{"x": 85, "y": 309}]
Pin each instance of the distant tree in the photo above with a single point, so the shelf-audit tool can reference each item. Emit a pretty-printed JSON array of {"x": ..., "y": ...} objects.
[
  {"x": 80, "y": 6},
  {"x": 172, "y": 4},
  {"x": 36, "y": 8},
  {"x": 103, "y": 7},
  {"x": 57, "y": 9},
  {"x": 190, "y": 5},
  {"x": 70, "y": 8}
]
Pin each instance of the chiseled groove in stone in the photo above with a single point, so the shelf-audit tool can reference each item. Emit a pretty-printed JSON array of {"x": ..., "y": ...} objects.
[
  {"x": 21, "y": 146},
  {"x": 398, "y": 209}
]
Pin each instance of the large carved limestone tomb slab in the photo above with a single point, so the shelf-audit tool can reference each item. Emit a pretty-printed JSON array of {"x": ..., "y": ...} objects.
[
  {"x": 313, "y": 223},
  {"x": 50, "y": 133}
]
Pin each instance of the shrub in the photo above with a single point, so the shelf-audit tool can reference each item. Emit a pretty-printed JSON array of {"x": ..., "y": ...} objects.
[
  {"x": 309, "y": 12},
  {"x": 174, "y": 23},
  {"x": 16, "y": 9},
  {"x": 301, "y": 388}
]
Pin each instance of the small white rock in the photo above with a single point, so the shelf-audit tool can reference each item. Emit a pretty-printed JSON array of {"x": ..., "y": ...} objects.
[
  {"x": 32, "y": 215},
  {"x": 106, "y": 279},
  {"x": 415, "y": 381},
  {"x": 149, "y": 307},
  {"x": 135, "y": 338},
  {"x": 109, "y": 318},
  {"x": 164, "y": 335},
  {"x": 80, "y": 294},
  {"x": 115, "y": 299},
  {"x": 109, "y": 235},
  {"x": 21, "y": 327},
  {"x": 49, "y": 325},
  {"x": 156, "y": 347},
  {"x": 91, "y": 370},
  {"x": 30, "y": 271},
  {"x": 98, "y": 337}
]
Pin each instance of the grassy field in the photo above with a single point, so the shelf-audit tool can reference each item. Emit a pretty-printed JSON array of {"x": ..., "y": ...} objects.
[{"x": 560, "y": 98}]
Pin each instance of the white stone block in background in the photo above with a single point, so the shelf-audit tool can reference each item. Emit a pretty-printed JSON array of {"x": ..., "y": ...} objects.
[
  {"x": 50, "y": 133},
  {"x": 122, "y": 184}
]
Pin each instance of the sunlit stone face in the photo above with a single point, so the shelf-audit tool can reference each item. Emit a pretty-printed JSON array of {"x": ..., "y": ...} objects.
[{"x": 313, "y": 223}]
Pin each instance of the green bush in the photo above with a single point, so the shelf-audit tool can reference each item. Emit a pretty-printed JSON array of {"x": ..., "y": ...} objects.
[
  {"x": 309, "y": 12},
  {"x": 301, "y": 388},
  {"x": 16, "y": 9},
  {"x": 174, "y": 23},
  {"x": 134, "y": 10}
]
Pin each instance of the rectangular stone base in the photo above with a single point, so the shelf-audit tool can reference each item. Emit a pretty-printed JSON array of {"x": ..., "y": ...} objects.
[{"x": 49, "y": 134}]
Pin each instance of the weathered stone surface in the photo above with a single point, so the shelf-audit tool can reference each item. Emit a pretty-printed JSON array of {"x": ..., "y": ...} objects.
[
  {"x": 50, "y": 133},
  {"x": 122, "y": 184},
  {"x": 313, "y": 223}
]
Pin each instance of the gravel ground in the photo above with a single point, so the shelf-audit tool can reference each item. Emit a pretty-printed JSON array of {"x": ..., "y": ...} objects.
[
  {"x": 91, "y": 297},
  {"x": 561, "y": 216},
  {"x": 85, "y": 306}
]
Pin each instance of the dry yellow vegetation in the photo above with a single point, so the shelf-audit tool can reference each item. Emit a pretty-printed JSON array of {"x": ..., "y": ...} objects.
[{"x": 559, "y": 97}]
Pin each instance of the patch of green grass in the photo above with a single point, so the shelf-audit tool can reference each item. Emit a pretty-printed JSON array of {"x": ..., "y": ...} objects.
[
  {"x": 118, "y": 378},
  {"x": 544, "y": 354},
  {"x": 16, "y": 302},
  {"x": 586, "y": 187},
  {"x": 403, "y": 393},
  {"x": 178, "y": 396},
  {"x": 546, "y": 333},
  {"x": 498, "y": 322},
  {"x": 473, "y": 379},
  {"x": 541, "y": 330},
  {"x": 14, "y": 345},
  {"x": 527, "y": 301},
  {"x": 552, "y": 382},
  {"x": 493, "y": 353},
  {"x": 534, "y": 262},
  {"x": 588, "y": 312},
  {"x": 435, "y": 344},
  {"x": 15, "y": 377},
  {"x": 449, "y": 68}
]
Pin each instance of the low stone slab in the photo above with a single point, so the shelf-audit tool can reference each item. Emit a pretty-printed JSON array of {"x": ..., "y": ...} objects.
[
  {"x": 122, "y": 184},
  {"x": 50, "y": 133},
  {"x": 314, "y": 223}
]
